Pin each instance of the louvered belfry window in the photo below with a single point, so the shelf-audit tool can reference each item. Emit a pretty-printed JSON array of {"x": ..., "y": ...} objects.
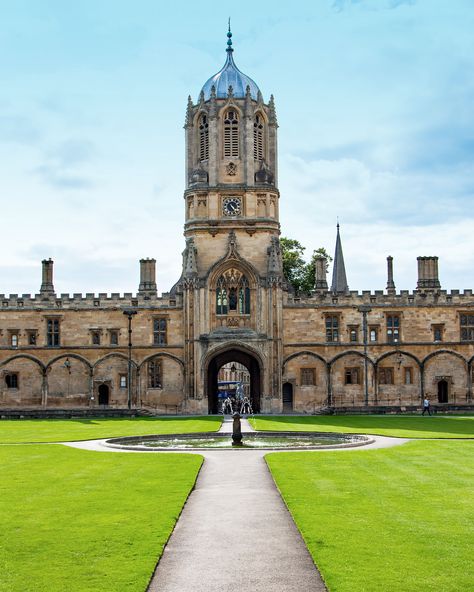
[
  {"x": 258, "y": 132},
  {"x": 203, "y": 137},
  {"x": 231, "y": 134}
]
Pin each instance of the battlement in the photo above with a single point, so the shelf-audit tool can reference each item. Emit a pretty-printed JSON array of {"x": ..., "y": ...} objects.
[
  {"x": 381, "y": 298},
  {"x": 89, "y": 300}
]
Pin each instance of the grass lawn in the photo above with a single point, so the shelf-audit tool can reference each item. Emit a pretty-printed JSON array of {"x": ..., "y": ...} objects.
[
  {"x": 395, "y": 520},
  {"x": 401, "y": 426},
  {"x": 87, "y": 521},
  {"x": 62, "y": 430}
]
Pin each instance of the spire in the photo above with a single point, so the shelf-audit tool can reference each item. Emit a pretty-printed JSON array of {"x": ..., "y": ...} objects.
[
  {"x": 229, "y": 40},
  {"x": 339, "y": 281}
]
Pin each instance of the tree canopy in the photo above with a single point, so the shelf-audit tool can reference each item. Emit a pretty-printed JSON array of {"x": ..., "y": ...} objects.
[{"x": 298, "y": 271}]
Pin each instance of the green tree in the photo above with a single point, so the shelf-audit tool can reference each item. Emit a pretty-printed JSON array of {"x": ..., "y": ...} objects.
[{"x": 298, "y": 272}]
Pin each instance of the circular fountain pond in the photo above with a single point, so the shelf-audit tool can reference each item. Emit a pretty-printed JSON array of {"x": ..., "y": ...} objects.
[{"x": 251, "y": 440}]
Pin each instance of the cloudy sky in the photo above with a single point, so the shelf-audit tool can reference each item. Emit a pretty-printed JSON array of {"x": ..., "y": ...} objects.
[{"x": 375, "y": 102}]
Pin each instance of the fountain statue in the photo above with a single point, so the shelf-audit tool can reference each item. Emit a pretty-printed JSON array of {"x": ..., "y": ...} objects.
[{"x": 236, "y": 430}]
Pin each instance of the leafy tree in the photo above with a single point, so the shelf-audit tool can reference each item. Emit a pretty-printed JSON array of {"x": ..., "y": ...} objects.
[{"x": 298, "y": 272}]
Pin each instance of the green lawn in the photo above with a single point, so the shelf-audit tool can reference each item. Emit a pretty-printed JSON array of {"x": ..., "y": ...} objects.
[
  {"x": 87, "y": 521},
  {"x": 401, "y": 426},
  {"x": 62, "y": 430},
  {"x": 395, "y": 520}
]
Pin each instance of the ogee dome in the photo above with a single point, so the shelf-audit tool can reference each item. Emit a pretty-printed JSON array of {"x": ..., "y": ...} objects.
[{"x": 230, "y": 75}]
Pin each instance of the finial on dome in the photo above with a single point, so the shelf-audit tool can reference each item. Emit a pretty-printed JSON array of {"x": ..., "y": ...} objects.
[{"x": 229, "y": 39}]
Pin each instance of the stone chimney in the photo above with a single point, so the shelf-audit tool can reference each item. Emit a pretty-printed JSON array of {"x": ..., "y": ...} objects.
[
  {"x": 147, "y": 285},
  {"x": 428, "y": 273},
  {"x": 47, "y": 287},
  {"x": 390, "y": 282},
  {"x": 320, "y": 270}
]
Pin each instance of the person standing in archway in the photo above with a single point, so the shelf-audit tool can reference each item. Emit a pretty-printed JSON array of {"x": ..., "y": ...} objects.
[{"x": 426, "y": 406}]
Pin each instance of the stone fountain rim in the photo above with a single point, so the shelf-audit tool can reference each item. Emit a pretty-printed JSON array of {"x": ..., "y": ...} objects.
[{"x": 125, "y": 442}]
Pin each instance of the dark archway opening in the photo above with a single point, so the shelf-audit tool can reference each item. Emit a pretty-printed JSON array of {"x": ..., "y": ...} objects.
[
  {"x": 287, "y": 397},
  {"x": 239, "y": 357},
  {"x": 103, "y": 394},
  {"x": 443, "y": 391}
]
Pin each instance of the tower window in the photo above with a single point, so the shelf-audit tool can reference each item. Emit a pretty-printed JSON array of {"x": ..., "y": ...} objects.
[
  {"x": 258, "y": 133},
  {"x": 232, "y": 293},
  {"x": 231, "y": 134},
  {"x": 203, "y": 137}
]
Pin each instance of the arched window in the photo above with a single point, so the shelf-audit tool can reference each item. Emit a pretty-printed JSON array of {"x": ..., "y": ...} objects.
[
  {"x": 258, "y": 137},
  {"x": 231, "y": 134},
  {"x": 203, "y": 137},
  {"x": 232, "y": 293},
  {"x": 154, "y": 373}
]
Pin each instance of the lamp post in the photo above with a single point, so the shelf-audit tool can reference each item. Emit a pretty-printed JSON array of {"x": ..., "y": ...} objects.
[
  {"x": 129, "y": 314},
  {"x": 364, "y": 309}
]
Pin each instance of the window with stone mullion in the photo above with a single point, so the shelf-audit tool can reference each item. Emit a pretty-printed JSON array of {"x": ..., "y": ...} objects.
[{"x": 467, "y": 327}]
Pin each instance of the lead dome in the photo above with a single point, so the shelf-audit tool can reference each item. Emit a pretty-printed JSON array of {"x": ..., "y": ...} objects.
[{"x": 230, "y": 75}]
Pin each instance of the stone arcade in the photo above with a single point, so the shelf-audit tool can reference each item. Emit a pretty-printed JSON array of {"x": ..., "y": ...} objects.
[{"x": 331, "y": 349}]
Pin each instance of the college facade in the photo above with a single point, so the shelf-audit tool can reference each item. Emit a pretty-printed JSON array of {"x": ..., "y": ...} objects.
[{"x": 331, "y": 349}]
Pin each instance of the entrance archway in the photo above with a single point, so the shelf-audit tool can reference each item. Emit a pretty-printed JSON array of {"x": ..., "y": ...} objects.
[
  {"x": 287, "y": 397},
  {"x": 443, "y": 391},
  {"x": 103, "y": 394},
  {"x": 241, "y": 357}
]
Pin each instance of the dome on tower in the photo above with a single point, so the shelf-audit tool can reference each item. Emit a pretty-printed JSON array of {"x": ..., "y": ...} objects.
[{"x": 230, "y": 75}]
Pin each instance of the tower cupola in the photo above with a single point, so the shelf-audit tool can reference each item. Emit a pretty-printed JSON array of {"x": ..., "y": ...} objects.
[{"x": 230, "y": 75}]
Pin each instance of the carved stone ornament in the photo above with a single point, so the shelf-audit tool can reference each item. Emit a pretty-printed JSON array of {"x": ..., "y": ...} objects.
[{"x": 231, "y": 169}]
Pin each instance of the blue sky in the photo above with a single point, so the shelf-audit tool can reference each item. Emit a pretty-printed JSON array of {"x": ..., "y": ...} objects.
[{"x": 375, "y": 102}]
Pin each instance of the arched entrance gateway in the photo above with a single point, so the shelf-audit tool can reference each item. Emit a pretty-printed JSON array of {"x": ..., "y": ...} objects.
[{"x": 227, "y": 357}]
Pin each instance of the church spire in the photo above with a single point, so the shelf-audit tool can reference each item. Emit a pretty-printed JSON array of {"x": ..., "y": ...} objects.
[{"x": 339, "y": 280}]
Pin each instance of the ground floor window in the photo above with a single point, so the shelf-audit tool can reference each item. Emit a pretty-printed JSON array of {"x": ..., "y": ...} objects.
[
  {"x": 11, "y": 380},
  {"x": 154, "y": 374},
  {"x": 351, "y": 376},
  {"x": 308, "y": 376},
  {"x": 385, "y": 375},
  {"x": 408, "y": 375},
  {"x": 123, "y": 381}
]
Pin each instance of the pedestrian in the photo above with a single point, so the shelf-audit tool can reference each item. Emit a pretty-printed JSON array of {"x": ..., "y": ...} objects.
[{"x": 426, "y": 406}]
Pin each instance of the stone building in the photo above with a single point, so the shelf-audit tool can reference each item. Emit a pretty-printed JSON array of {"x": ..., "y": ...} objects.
[{"x": 333, "y": 348}]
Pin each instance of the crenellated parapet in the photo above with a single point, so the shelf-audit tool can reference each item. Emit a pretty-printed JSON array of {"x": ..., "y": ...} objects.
[
  {"x": 381, "y": 298},
  {"x": 88, "y": 301}
]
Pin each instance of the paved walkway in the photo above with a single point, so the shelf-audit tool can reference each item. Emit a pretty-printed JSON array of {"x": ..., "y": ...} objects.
[{"x": 235, "y": 533}]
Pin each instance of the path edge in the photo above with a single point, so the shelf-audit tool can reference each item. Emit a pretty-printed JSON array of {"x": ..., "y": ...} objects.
[
  {"x": 150, "y": 581},
  {"x": 293, "y": 519}
]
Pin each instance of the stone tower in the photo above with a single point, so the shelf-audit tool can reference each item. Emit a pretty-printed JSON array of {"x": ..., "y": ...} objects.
[{"x": 232, "y": 271}]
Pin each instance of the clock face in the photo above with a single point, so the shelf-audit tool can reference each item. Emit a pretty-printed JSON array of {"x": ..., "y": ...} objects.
[{"x": 232, "y": 206}]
